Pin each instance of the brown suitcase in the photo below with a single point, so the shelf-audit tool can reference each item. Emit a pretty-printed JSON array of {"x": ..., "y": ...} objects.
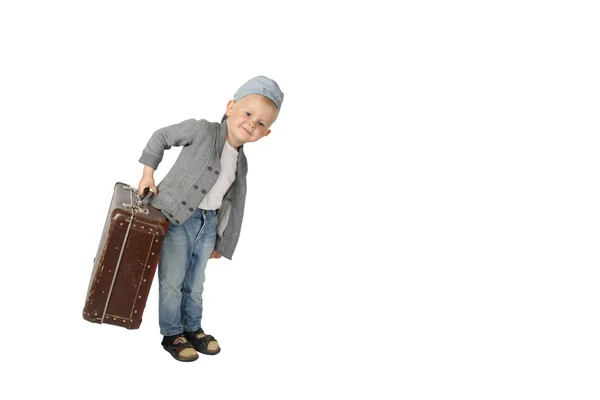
[{"x": 126, "y": 260}]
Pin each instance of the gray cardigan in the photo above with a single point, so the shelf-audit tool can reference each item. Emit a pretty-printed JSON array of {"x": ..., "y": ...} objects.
[{"x": 193, "y": 175}]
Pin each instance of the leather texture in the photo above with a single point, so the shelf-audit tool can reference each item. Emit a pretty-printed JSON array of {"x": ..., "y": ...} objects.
[{"x": 126, "y": 261}]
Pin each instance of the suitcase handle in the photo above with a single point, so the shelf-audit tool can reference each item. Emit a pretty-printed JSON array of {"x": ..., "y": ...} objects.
[
  {"x": 140, "y": 197},
  {"x": 139, "y": 204}
]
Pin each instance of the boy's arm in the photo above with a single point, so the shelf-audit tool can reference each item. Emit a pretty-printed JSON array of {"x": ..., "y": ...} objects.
[
  {"x": 163, "y": 139},
  {"x": 147, "y": 180}
]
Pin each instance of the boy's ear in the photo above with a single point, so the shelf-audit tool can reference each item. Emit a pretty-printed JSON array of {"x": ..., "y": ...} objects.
[
  {"x": 229, "y": 107},
  {"x": 267, "y": 133}
]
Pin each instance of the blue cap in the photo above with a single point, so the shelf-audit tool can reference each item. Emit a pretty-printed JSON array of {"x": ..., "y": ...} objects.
[{"x": 261, "y": 85}]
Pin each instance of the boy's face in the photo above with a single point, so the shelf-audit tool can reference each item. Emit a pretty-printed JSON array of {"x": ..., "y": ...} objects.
[{"x": 249, "y": 119}]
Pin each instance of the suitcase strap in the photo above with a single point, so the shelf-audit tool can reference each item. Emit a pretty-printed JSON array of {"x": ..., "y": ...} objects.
[{"x": 138, "y": 206}]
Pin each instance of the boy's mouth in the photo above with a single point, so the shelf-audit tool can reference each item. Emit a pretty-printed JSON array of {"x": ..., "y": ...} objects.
[{"x": 246, "y": 131}]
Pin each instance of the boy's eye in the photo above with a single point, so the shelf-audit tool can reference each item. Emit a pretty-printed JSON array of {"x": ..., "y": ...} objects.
[
  {"x": 261, "y": 124},
  {"x": 247, "y": 114}
]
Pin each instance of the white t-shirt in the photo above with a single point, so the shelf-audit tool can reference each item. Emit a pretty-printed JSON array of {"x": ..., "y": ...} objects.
[{"x": 214, "y": 197}]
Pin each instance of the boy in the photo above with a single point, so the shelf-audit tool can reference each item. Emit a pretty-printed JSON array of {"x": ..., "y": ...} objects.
[{"x": 203, "y": 198}]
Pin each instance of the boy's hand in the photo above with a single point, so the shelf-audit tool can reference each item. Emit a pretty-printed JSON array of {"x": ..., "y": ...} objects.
[
  {"x": 147, "y": 182},
  {"x": 215, "y": 254}
]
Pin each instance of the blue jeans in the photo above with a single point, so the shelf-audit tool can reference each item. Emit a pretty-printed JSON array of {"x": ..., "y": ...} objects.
[{"x": 183, "y": 259}]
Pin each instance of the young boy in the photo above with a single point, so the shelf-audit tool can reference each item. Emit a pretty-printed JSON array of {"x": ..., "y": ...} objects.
[{"x": 203, "y": 198}]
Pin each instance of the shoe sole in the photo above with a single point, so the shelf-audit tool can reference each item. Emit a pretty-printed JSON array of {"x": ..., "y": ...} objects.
[
  {"x": 182, "y": 359},
  {"x": 209, "y": 354}
]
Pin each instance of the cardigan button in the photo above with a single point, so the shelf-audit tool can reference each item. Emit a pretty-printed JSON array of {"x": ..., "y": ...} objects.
[
  {"x": 191, "y": 209},
  {"x": 203, "y": 191},
  {"x": 184, "y": 203},
  {"x": 195, "y": 186},
  {"x": 176, "y": 221},
  {"x": 210, "y": 168},
  {"x": 217, "y": 172},
  {"x": 171, "y": 215}
]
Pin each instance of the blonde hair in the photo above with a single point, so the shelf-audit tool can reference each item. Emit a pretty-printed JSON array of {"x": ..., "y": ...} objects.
[{"x": 265, "y": 100}]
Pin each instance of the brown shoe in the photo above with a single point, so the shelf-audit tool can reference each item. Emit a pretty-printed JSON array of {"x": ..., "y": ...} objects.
[
  {"x": 179, "y": 348},
  {"x": 203, "y": 343}
]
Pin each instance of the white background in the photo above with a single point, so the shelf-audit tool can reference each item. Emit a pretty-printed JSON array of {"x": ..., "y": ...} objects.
[{"x": 422, "y": 223}]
